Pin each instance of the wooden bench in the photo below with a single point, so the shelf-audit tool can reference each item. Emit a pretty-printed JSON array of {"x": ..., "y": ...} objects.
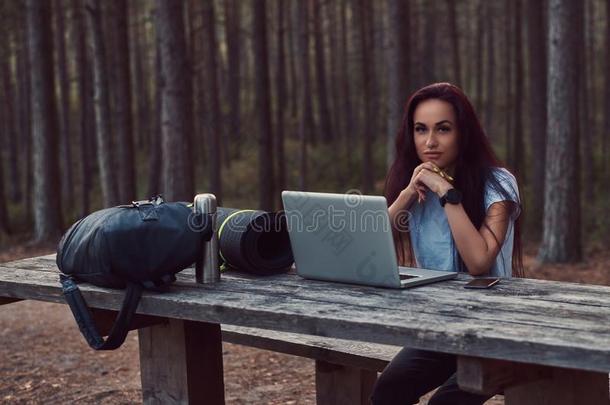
[
  {"x": 538, "y": 341},
  {"x": 344, "y": 368}
]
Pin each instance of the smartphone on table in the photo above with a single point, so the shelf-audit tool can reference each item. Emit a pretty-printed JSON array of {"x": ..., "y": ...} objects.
[{"x": 483, "y": 282}]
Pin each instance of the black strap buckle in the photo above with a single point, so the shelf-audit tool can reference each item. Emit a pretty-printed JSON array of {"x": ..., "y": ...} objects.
[
  {"x": 154, "y": 200},
  {"x": 141, "y": 203}
]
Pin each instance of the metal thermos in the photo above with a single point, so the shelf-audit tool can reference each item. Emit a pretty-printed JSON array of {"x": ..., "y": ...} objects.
[{"x": 206, "y": 268}]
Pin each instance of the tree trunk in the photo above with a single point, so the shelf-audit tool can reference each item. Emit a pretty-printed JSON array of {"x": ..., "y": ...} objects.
[
  {"x": 334, "y": 82},
  {"x": 455, "y": 42},
  {"x": 479, "y": 58},
  {"x": 84, "y": 116},
  {"x": 416, "y": 45},
  {"x": 324, "y": 110},
  {"x": 221, "y": 74},
  {"x": 124, "y": 127},
  {"x": 348, "y": 112},
  {"x": 4, "y": 225},
  {"x": 374, "y": 46},
  {"x": 4, "y": 132},
  {"x": 47, "y": 208},
  {"x": 293, "y": 38},
  {"x": 398, "y": 70},
  {"x": 561, "y": 237},
  {"x": 10, "y": 121},
  {"x": 537, "y": 96},
  {"x": 429, "y": 49},
  {"x": 606, "y": 139},
  {"x": 491, "y": 69},
  {"x": 281, "y": 101},
  {"x": 367, "y": 153},
  {"x": 232, "y": 20},
  {"x": 587, "y": 118},
  {"x": 176, "y": 116},
  {"x": 469, "y": 62},
  {"x": 67, "y": 189},
  {"x": 105, "y": 150},
  {"x": 518, "y": 148},
  {"x": 508, "y": 63},
  {"x": 199, "y": 79},
  {"x": 263, "y": 110},
  {"x": 137, "y": 72},
  {"x": 306, "y": 121},
  {"x": 155, "y": 176},
  {"x": 25, "y": 119},
  {"x": 141, "y": 85},
  {"x": 213, "y": 120},
  {"x": 23, "y": 65}
]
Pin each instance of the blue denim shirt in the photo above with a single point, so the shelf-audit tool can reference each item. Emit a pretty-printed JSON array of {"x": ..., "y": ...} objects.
[{"x": 431, "y": 235}]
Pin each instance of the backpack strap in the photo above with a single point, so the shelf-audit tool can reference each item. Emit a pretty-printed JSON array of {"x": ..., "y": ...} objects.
[{"x": 85, "y": 321}]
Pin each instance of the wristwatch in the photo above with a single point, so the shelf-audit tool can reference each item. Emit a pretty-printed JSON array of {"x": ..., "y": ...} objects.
[{"x": 452, "y": 196}]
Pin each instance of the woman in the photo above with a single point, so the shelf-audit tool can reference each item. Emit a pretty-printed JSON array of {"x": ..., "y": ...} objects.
[{"x": 453, "y": 207}]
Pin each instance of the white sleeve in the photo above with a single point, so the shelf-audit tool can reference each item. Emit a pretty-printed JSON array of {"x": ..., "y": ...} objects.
[{"x": 510, "y": 190}]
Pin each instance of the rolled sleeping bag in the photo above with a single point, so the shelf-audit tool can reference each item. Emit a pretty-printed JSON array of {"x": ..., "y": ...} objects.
[{"x": 253, "y": 241}]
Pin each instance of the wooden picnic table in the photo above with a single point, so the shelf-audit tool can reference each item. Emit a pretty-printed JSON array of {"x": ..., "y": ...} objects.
[{"x": 540, "y": 342}]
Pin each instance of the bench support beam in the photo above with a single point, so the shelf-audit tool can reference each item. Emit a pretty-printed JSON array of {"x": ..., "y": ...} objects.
[
  {"x": 6, "y": 300},
  {"x": 343, "y": 385},
  {"x": 181, "y": 362},
  {"x": 565, "y": 387}
]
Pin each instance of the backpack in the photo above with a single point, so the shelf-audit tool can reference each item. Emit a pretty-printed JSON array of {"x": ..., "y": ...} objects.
[{"x": 133, "y": 247}]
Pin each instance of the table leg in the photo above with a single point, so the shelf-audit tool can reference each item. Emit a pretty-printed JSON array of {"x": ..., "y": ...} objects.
[
  {"x": 338, "y": 385},
  {"x": 564, "y": 387},
  {"x": 181, "y": 362}
]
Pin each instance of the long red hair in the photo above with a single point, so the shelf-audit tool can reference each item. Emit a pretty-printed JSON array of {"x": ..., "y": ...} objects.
[{"x": 473, "y": 168}]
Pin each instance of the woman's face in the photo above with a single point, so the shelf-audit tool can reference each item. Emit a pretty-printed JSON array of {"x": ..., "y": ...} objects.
[{"x": 435, "y": 133}]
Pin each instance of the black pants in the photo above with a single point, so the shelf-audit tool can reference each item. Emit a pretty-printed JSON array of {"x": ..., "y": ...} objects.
[{"x": 413, "y": 373}]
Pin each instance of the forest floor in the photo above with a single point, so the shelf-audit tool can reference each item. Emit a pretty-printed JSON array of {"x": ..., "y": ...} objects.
[{"x": 36, "y": 366}]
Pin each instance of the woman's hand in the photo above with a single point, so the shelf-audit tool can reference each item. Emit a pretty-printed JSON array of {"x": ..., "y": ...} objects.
[
  {"x": 415, "y": 185},
  {"x": 428, "y": 176},
  {"x": 424, "y": 177}
]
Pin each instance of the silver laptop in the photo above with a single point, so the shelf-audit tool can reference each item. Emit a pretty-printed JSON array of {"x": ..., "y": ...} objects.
[{"x": 347, "y": 238}]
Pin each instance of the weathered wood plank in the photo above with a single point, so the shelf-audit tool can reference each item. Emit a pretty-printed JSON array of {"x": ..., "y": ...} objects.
[
  {"x": 181, "y": 363},
  {"x": 507, "y": 293},
  {"x": 449, "y": 302},
  {"x": 579, "y": 314},
  {"x": 435, "y": 317},
  {"x": 341, "y": 385},
  {"x": 367, "y": 356},
  {"x": 472, "y": 301},
  {"x": 486, "y": 302},
  {"x": 430, "y": 307},
  {"x": 532, "y": 289},
  {"x": 488, "y": 376},
  {"x": 565, "y": 387},
  {"x": 583, "y": 319}
]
